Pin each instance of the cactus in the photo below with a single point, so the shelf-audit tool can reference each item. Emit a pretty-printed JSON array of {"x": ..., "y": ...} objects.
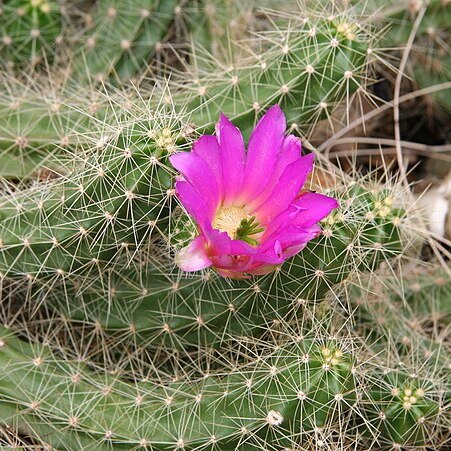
[
  {"x": 432, "y": 66},
  {"x": 403, "y": 409},
  {"x": 41, "y": 129},
  {"x": 307, "y": 73},
  {"x": 122, "y": 198},
  {"x": 405, "y": 321},
  {"x": 215, "y": 27},
  {"x": 30, "y": 31},
  {"x": 122, "y": 36},
  {"x": 120, "y": 192},
  {"x": 60, "y": 220},
  {"x": 430, "y": 63},
  {"x": 150, "y": 301},
  {"x": 290, "y": 391},
  {"x": 413, "y": 316},
  {"x": 106, "y": 344},
  {"x": 297, "y": 387}
]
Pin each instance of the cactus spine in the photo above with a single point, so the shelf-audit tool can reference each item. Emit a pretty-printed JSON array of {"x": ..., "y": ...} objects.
[
  {"x": 31, "y": 31},
  {"x": 106, "y": 345},
  {"x": 301, "y": 386},
  {"x": 276, "y": 393}
]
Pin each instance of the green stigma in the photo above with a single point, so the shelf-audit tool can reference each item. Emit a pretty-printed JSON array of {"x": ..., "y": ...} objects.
[{"x": 247, "y": 228}]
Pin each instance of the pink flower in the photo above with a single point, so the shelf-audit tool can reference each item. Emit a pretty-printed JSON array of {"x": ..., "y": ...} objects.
[{"x": 248, "y": 206}]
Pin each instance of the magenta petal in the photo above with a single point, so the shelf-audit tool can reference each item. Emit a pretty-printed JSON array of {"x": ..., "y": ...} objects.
[
  {"x": 314, "y": 208},
  {"x": 267, "y": 185},
  {"x": 273, "y": 255},
  {"x": 227, "y": 254},
  {"x": 207, "y": 147},
  {"x": 232, "y": 157},
  {"x": 298, "y": 235},
  {"x": 300, "y": 242},
  {"x": 194, "y": 256},
  {"x": 221, "y": 243},
  {"x": 196, "y": 171},
  {"x": 240, "y": 263},
  {"x": 291, "y": 238},
  {"x": 291, "y": 251},
  {"x": 286, "y": 190},
  {"x": 291, "y": 151},
  {"x": 194, "y": 203},
  {"x": 263, "y": 151},
  {"x": 281, "y": 221}
]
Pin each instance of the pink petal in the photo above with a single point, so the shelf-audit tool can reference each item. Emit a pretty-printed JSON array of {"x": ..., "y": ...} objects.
[
  {"x": 294, "y": 236},
  {"x": 291, "y": 151},
  {"x": 193, "y": 257},
  {"x": 295, "y": 248},
  {"x": 291, "y": 251},
  {"x": 286, "y": 190},
  {"x": 228, "y": 254},
  {"x": 273, "y": 254},
  {"x": 232, "y": 157},
  {"x": 314, "y": 208},
  {"x": 281, "y": 221},
  {"x": 263, "y": 151},
  {"x": 207, "y": 148},
  {"x": 237, "y": 263},
  {"x": 220, "y": 243},
  {"x": 194, "y": 203},
  {"x": 197, "y": 173},
  {"x": 291, "y": 239}
]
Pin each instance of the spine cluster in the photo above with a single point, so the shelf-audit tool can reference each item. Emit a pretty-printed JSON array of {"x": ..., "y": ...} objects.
[{"x": 104, "y": 343}]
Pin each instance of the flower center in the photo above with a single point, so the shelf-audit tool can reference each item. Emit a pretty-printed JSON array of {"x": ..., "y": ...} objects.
[
  {"x": 229, "y": 220},
  {"x": 238, "y": 224}
]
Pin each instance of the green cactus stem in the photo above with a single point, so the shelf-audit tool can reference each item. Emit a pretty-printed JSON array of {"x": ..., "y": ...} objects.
[{"x": 299, "y": 387}]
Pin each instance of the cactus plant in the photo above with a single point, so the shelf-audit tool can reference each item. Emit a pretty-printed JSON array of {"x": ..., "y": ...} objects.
[
  {"x": 293, "y": 389},
  {"x": 41, "y": 129},
  {"x": 121, "y": 190},
  {"x": 98, "y": 218},
  {"x": 215, "y": 26},
  {"x": 402, "y": 409},
  {"x": 430, "y": 63},
  {"x": 107, "y": 344},
  {"x": 337, "y": 63},
  {"x": 281, "y": 391},
  {"x": 207, "y": 309},
  {"x": 307, "y": 73},
  {"x": 121, "y": 37},
  {"x": 411, "y": 316},
  {"x": 30, "y": 30},
  {"x": 311, "y": 72}
]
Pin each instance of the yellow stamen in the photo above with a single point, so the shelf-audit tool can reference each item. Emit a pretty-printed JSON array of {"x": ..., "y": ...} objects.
[{"x": 229, "y": 220}]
